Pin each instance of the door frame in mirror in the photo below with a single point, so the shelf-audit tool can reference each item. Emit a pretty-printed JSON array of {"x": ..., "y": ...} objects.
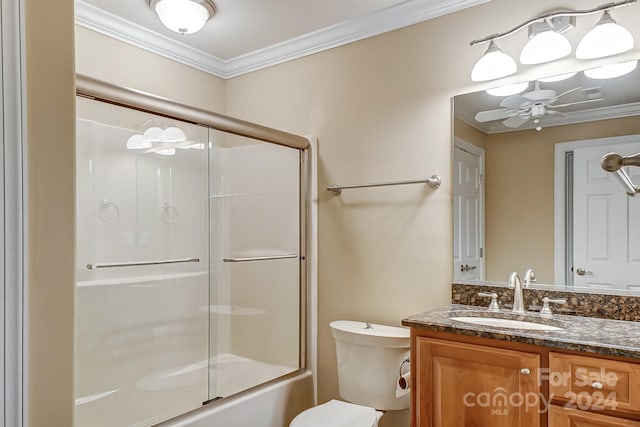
[{"x": 562, "y": 252}]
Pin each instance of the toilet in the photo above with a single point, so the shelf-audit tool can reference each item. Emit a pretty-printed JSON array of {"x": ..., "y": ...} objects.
[{"x": 369, "y": 360}]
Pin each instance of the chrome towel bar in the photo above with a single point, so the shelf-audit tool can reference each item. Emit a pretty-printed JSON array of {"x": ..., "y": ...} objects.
[
  {"x": 259, "y": 258},
  {"x": 139, "y": 263},
  {"x": 433, "y": 181}
]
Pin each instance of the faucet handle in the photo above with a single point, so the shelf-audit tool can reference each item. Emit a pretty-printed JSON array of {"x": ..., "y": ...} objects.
[
  {"x": 494, "y": 300},
  {"x": 546, "y": 310}
]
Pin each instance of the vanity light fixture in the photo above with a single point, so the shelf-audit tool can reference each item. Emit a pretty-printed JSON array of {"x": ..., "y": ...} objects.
[
  {"x": 507, "y": 90},
  {"x": 183, "y": 16},
  {"x": 611, "y": 71},
  {"x": 546, "y": 42}
]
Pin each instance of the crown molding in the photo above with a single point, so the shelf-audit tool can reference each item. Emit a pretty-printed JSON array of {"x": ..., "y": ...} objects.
[{"x": 404, "y": 14}]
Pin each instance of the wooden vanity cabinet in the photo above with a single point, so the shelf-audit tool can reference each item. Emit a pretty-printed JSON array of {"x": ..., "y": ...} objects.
[
  {"x": 461, "y": 381},
  {"x": 465, "y": 385}
]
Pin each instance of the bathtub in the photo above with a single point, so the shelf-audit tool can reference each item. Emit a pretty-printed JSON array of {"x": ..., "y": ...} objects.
[{"x": 272, "y": 405}]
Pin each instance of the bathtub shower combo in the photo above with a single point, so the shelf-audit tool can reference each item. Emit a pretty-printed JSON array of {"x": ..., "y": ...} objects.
[{"x": 191, "y": 269}]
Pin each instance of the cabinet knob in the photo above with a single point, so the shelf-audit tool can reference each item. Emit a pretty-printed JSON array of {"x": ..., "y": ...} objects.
[
  {"x": 525, "y": 371},
  {"x": 597, "y": 385}
]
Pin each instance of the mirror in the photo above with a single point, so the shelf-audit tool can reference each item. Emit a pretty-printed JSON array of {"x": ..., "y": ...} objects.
[{"x": 529, "y": 191}]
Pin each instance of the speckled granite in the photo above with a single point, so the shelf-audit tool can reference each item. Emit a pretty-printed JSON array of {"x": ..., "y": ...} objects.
[
  {"x": 618, "y": 306},
  {"x": 591, "y": 335}
]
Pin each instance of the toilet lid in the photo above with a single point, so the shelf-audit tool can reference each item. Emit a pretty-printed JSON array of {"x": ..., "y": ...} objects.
[{"x": 336, "y": 413}]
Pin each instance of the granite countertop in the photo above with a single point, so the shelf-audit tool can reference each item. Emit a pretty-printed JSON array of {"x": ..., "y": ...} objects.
[{"x": 587, "y": 334}]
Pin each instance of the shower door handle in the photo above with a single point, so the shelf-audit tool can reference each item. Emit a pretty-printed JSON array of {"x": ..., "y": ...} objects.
[
  {"x": 259, "y": 258},
  {"x": 139, "y": 263}
]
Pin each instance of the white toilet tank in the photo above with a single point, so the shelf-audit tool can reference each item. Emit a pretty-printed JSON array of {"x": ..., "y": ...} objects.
[{"x": 369, "y": 358}]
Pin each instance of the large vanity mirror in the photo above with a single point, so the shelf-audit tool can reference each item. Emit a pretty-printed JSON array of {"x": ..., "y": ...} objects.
[{"x": 529, "y": 189}]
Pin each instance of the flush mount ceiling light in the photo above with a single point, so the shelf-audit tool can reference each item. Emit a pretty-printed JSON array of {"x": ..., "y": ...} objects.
[
  {"x": 546, "y": 42},
  {"x": 605, "y": 39},
  {"x": 183, "y": 16},
  {"x": 494, "y": 64},
  {"x": 544, "y": 45}
]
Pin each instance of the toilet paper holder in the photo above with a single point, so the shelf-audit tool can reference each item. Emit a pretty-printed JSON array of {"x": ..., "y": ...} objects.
[
  {"x": 407, "y": 360},
  {"x": 403, "y": 383}
]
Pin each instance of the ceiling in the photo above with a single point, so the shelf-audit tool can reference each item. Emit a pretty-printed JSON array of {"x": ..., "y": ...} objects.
[
  {"x": 621, "y": 98},
  {"x": 247, "y": 35}
]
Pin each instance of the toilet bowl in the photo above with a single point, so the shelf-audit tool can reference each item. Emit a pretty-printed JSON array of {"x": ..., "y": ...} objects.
[
  {"x": 369, "y": 357},
  {"x": 336, "y": 413}
]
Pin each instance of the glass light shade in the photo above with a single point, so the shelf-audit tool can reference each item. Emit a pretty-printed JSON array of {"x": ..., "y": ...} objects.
[
  {"x": 153, "y": 134},
  {"x": 173, "y": 134},
  {"x": 557, "y": 78},
  {"x": 508, "y": 90},
  {"x": 605, "y": 39},
  {"x": 545, "y": 47},
  {"x": 137, "y": 142},
  {"x": 182, "y": 16},
  {"x": 612, "y": 70},
  {"x": 494, "y": 64}
]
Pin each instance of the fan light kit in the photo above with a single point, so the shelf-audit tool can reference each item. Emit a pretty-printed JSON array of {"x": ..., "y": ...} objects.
[
  {"x": 183, "y": 16},
  {"x": 546, "y": 42}
]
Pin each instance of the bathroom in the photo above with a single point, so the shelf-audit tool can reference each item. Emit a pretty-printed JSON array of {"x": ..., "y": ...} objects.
[{"x": 381, "y": 110}]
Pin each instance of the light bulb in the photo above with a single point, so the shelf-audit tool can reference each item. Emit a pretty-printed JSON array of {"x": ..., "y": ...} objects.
[
  {"x": 494, "y": 64},
  {"x": 605, "y": 39}
]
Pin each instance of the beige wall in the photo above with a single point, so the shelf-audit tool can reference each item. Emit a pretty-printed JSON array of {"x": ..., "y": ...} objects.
[
  {"x": 469, "y": 133},
  {"x": 50, "y": 167},
  {"x": 125, "y": 65},
  {"x": 381, "y": 108},
  {"x": 519, "y": 189}
]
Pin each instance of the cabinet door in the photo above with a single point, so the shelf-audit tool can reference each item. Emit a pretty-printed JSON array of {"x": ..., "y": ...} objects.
[
  {"x": 563, "y": 417},
  {"x": 465, "y": 385}
]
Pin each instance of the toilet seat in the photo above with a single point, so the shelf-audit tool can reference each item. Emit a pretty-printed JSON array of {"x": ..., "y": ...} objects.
[{"x": 336, "y": 413}]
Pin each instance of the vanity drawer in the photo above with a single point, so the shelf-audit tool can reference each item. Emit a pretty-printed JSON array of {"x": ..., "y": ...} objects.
[
  {"x": 563, "y": 417},
  {"x": 595, "y": 384}
]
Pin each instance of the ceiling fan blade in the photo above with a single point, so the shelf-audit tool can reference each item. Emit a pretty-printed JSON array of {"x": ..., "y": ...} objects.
[
  {"x": 490, "y": 115},
  {"x": 578, "y": 102},
  {"x": 514, "y": 101},
  {"x": 516, "y": 121},
  {"x": 563, "y": 94}
]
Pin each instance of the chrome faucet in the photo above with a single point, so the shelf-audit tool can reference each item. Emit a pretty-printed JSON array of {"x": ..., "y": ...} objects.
[
  {"x": 518, "y": 300},
  {"x": 529, "y": 276}
]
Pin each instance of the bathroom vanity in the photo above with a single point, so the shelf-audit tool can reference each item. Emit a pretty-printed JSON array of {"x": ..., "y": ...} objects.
[{"x": 468, "y": 369}]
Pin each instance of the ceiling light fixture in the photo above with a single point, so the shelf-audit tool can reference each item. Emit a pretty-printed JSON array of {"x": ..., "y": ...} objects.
[
  {"x": 605, "y": 39},
  {"x": 183, "y": 16},
  {"x": 546, "y": 42},
  {"x": 494, "y": 64}
]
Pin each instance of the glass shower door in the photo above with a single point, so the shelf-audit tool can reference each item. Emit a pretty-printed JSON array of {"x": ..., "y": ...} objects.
[
  {"x": 255, "y": 314},
  {"x": 142, "y": 267}
]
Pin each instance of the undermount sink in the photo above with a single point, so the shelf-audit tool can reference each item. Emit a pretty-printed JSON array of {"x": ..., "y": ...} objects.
[{"x": 500, "y": 320}]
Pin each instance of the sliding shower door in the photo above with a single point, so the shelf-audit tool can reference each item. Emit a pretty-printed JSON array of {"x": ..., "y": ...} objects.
[
  {"x": 142, "y": 330},
  {"x": 255, "y": 262},
  {"x": 189, "y": 266}
]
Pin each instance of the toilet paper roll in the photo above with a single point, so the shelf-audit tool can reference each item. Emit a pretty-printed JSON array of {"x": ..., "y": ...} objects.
[{"x": 403, "y": 385}]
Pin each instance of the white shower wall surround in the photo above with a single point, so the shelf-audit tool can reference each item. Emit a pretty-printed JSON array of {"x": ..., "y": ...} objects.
[{"x": 155, "y": 341}]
